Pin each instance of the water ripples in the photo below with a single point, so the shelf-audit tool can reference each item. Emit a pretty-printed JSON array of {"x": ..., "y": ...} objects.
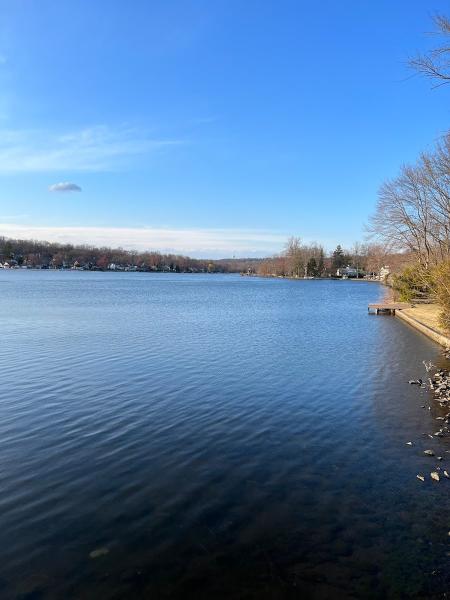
[{"x": 217, "y": 436}]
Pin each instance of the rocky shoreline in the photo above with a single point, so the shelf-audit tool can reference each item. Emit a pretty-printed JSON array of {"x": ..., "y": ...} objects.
[{"x": 438, "y": 384}]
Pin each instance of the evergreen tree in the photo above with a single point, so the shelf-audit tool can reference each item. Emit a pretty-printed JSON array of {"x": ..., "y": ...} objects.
[
  {"x": 311, "y": 268},
  {"x": 7, "y": 251},
  {"x": 338, "y": 257},
  {"x": 321, "y": 265}
]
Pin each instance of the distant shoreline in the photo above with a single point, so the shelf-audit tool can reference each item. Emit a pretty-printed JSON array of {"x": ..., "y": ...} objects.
[
  {"x": 170, "y": 272},
  {"x": 97, "y": 270},
  {"x": 331, "y": 278}
]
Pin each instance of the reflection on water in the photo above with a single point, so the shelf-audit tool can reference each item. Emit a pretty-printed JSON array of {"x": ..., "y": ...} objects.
[{"x": 194, "y": 436}]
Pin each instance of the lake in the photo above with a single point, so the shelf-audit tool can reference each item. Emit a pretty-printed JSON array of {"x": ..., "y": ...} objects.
[{"x": 214, "y": 436}]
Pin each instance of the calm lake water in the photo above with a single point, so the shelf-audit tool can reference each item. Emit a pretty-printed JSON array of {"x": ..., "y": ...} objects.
[{"x": 210, "y": 436}]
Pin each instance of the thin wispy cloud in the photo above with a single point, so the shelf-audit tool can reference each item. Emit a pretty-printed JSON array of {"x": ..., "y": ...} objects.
[
  {"x": 93, "y": 149},
  {"x": 212, "y": 243},
  {"x": 12, "y": 218},
  {"x": 64, "y": 186}
]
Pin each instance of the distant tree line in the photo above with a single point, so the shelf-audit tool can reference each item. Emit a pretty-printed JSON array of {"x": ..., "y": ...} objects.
[
  {"x": 46, "y": 255},
  {"x": 300, "y": 260},
  {"x": 296, "y": 260}
]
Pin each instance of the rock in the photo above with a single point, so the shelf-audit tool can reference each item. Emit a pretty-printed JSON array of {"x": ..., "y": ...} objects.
[
  {"x": 428, "y": 452},
  {"x": 446, "y": 474},
  {"x": 409, "y": 443},
  {"x": 439, "y": 457},
  {"x": 99, "y": 552},
  {"x": 435, "y": 475},
  {"x": 421, "y": 477}
]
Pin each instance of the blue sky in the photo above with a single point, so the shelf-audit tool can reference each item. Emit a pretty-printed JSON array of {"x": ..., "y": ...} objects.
[{"x": 211, "y": 127}]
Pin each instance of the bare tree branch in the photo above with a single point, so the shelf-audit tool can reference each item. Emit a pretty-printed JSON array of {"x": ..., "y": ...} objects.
[{"x": 436, "y": 64}]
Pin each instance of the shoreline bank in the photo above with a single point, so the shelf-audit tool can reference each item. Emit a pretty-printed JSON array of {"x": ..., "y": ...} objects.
[{"x": 424, "y": 318}]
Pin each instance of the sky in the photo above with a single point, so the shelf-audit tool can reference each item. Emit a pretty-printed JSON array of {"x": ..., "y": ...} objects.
[{"x": 212, "y": 128}]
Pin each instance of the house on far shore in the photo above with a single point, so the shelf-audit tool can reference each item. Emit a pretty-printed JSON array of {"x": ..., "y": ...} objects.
[
  {"x": 384, "y": 272},
  {"x": 347, "y": 272}
]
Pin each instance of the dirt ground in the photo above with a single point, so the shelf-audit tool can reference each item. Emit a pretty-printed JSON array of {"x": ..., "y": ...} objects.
[{"x": 428, "y": 314}]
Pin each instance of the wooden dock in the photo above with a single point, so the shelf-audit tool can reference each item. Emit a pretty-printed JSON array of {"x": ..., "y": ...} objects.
[
  {"x": 387, "y": 308},
  {"x": 424, "y": 318}
]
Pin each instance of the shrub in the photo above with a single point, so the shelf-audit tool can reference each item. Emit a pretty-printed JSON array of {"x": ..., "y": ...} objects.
[
  {"x": 441, "y": 290},
  {"x": 414, "y": 282}
]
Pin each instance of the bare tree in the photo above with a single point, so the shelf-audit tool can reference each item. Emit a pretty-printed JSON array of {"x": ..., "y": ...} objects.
[
  {"x": 413, "y": 210},
  {"x": 436, "y": 64},
  {"x": 294, "y": 257},
  {"x": 297, "y": 260}
]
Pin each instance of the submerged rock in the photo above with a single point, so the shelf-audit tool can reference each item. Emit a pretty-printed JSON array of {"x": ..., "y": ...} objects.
[{"x": 99, "y": 552}]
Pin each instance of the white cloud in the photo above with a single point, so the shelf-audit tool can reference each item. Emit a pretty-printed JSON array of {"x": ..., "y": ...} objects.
[
  {"x": 64, "y": 186},
  {"x": 211, "y": 243},
  {"x": 93, "y": 149}
]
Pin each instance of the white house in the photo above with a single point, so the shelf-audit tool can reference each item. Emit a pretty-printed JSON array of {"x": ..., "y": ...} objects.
[
  {"x": 347, "y": 272},
  {"x": 384, "y": 272}
]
